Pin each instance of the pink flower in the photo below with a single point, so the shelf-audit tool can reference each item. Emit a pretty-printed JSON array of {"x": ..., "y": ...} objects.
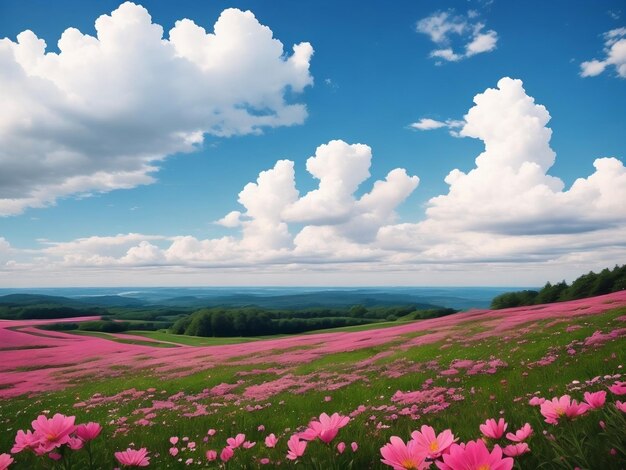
[
  {"x": 564, "y": 406},
  {"x": 261, "y": 428},
  {"x": 515, "y": 450},
  {"x": 618, "y": 388},
  {"x": 264, "y": 461},
  {"x": 296, "y": 447},
  {"x": 474, "y": 456},
  {"x": 493, "y": 430},
  {"x": 211, "y": 455},
  {"x": 327, "y": 427},
  {"x": 341, "y": 447},
  {"x": 536, "y": 401},
  {"x": 227, "y": 454},
  {"x": 521, "y": 434},
  {"x": 354, "y": 446},
  {"x": 403, "y": 456},
  {"x": 25, "y": 440},
  {"x": 434, "y": 445},
  {"x": 55, "y": 456},
  {"x": 595, "y": 400},
  {"x": 189, "y": 461},
  {"x": 88, "y": 432},
  {"x": 270, "y": 441},
  {"x": 133, "y": 458},
  {"x": 621, "y": 406},
  {"x": 75, "y": 443},
  {"x": 248, "y": 445},
  {"x": 191, "y": 445},
  {"x": 234, "y": 442},
  {"x": 5, "y": 461},
  {"x": 54, "y": 432},
  {"x": 211, "y": 432},
  {"x": 173, "y": 451},
  {"x": 173, "y": 440}
]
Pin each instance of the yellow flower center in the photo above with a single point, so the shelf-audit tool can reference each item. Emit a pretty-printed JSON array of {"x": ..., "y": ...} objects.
[
  {"x": 434, "y": 446},
  {"x": 408, "y": 464},
  {"x": 559, "y": 411},
  {"x": 484, "y": 467}
]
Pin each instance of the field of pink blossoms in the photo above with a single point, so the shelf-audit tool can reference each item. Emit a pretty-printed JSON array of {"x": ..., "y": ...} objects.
[{"x": 530, "y": 387}]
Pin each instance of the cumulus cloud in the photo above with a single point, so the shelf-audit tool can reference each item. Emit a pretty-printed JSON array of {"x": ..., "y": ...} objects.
[
  {"x": 615, "y": 55},
  {"x": 507, "y": 213},
  {"x": 443, "y": 26},
  {"x": 102, "y": 112}
]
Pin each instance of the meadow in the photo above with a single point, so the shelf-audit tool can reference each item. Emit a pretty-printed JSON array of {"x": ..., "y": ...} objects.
[{"x": 364, "y": 397}]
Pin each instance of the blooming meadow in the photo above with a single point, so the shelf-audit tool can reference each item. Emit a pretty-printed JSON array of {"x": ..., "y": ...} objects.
[{"x": 516, "y": 388}]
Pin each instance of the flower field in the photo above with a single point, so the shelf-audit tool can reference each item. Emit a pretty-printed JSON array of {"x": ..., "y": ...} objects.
[{"x": 529, "y": 387}]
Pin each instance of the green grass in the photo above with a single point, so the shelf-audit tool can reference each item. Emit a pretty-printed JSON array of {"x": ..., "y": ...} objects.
[{"x": 505, "y": 393}]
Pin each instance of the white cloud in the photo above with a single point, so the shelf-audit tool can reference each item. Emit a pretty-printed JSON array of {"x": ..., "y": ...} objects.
[
  {"x": 443, "y": 26},
  {"x": 505, "y": 215},
  {"x": 615, "y": 55},
  {"x": 100, "y": 114},
  {"x": 427, "y": 124}
]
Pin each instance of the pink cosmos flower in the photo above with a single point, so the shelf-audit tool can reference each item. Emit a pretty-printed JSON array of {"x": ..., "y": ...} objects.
[
  {"x": 88, "y": 432},
  {"x": 434, "y": 445},
  {"x": 264, "y": 461},
  {"x": 564, "y": 406},
  {"x": 493, "y": 430},
  {"x": 133, "y": 458},
  {"x": 354, "y": 446},
  {"x": 55, "y": 456},
  {"x": 521, "y": 434},
  {"x": 618, "y": 388},
  {"x": 270, "y": 441},
  {"x": 234, "y": 442},
  {"x": 173, "y": 440},
  {"x": 173, "y": 451},
  {"x": 191, "y": 445},
  {"x": 621, "y": 406},
  {"x": 248, "y": 445},
  {"x": 5, "y": 461},
  {"x": 341, "y": 447},
  {"x": 211, "y": 455},
  {"x": 595, "y": 400},
  {"x": 75, "y": 443},
  {"x": 25, "y": 440},
  {"x": 54, "y": 432},
  {"x": 536, "y": 401},
  {"x": 474, "y": 456},
  {"x": 515, "y": 450},
  {"x": 403, "y": 456},
  {"x": 227, "y": 454},
  {"x": 261, "y": 428},
  {"x": 327, "y": 427},
  {"x": 296, "y": 447},
  {"x": 211, "y": 432}
]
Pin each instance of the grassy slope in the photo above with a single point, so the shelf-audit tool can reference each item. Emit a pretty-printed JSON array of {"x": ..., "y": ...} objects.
[{"x": 504, "y": 393}]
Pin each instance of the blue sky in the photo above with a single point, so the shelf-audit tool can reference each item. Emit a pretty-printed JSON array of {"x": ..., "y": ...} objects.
[{"x": 369, "y": 74}]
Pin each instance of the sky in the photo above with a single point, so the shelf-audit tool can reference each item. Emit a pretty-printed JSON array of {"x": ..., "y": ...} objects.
[{"x": 425, "y": 143}]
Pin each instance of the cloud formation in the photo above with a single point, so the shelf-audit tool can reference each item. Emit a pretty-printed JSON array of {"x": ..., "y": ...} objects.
[
  {"x": 427, "y": 124},
  {"x": 442, "y": 26},
  {"x": 615, "y": 55},
  {"x": 100, "y": 114},
  {"x": 507, "y": 211}
]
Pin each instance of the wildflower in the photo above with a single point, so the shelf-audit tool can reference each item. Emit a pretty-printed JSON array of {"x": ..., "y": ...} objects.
[
  {"x": 474, "y": 455},
  {"x": 326, "y": 428},
  {"x": 403, "y": 456},
  {"x": 621, "y": 406},
  {"x": 270, "y": 441},
  {"x": 536, "y": 401},
  {"x": 341, "y": 447},
  {"x": 564, "y": 406},
  {"x": 264, "y": 461},
  {"x": 173, "y": 451},
  {"x": 521, "y": 434},
  {"x": 211, "y": 432},
  {"x": 173, "y": 440},
  {"x": 133, "y": 458},
  {"x": 234, "y": 442},
  {"x": 296, "y": 447},
  {"x": 211, "y": 455},
  {"x": 434, "y": 445},
  {"x": 227, "y": 454},
  {"x": 75, "y": 443},
  {"x": 55, "y": 431},
  {"x": 5, "y": 461},
  {"x": 248, "y": 445},
  {"x": 88, "y": 432},
  {"x": 618, "y": 388},
  {"x": 515, "y": 450},
  {"x": 493, "y": 430},
  {"x": 25, "y": 440},
  {"x": 354, "y": 446},
  {"x": 595, "y": 400}
]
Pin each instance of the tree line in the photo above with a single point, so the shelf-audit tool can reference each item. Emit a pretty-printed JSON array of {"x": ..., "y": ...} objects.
[{"x": 587, "y": 285}]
